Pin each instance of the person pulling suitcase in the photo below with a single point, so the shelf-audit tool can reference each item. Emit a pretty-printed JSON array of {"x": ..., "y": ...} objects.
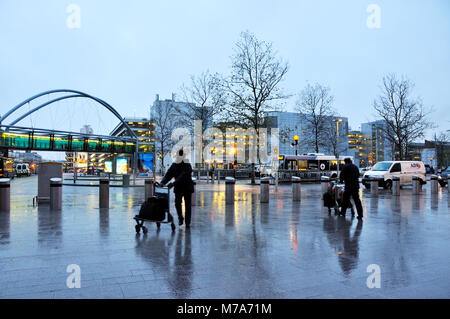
[
  {"x": 183, "y": 185},
  {"x": 350, "y": 175}
]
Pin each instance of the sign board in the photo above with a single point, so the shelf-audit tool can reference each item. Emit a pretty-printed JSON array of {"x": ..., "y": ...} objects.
[
  {"x": 145, "y": 164},
  {"x": 108, "y": 166},
  {"x": 121, "y": 166}
]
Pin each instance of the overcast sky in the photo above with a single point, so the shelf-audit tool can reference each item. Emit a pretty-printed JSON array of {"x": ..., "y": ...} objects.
[{"x": 125, "y": 52}]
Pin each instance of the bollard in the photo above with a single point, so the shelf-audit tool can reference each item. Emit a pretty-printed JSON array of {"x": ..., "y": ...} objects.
[
  {"x": 194, "y": 194},
  {"x": 374, "y": 186},
  {"x": 264, "y": 190},
  {"x": 55, "y": 193},
  {"x": 198, "y": 175},
  {"x": 149, "y": 188},
  {"x": 296, "y": 189},
  {"x": 4, "y": 194},
  {"x": 434, "y": 184},
  {"x": 126, "y": 180},
  {"x": 104, "y": 193},
  {"x": 229, "y": 190},
  {"x": 324, "y": 181},
  {"x": 277, "y": 178},
  {"x": 218, "y": 177},
  {"x": 416, "y": 185},
  {"x": 395, "y": 185}
]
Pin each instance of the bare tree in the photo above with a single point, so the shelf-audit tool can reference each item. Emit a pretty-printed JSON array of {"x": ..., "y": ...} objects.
[
  {"x": 332, "y": 143},
  {"x": 206, "y": 100},
  {"x": 442, "y": 147},
  {"x": 253, "y": 86},
  {"x": 286, "y": 134},
  {"x": 405, "y": 116},
  {"x": 315, "y": 108},
  {"x": 165, "y": 119}
]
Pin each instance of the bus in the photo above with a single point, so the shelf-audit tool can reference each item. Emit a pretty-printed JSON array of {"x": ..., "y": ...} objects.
[
  {"x": 312, "y": 163},
  {"x": 7, "y": 169}
]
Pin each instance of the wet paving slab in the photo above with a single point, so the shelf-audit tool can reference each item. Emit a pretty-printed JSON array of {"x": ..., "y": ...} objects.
[{"x": 280, "y": 249}]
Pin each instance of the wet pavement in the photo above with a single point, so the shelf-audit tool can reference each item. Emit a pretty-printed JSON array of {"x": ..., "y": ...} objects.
[{"x": 248, "y": 250}]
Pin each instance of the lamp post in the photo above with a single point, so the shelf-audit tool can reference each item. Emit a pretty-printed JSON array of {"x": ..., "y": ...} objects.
[
  {"x": 295, "y": 143},
  {"x": 337, "y": 144}
]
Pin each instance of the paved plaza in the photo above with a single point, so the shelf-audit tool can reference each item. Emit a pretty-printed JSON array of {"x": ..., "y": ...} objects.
[{"x": 248, "y": 250}]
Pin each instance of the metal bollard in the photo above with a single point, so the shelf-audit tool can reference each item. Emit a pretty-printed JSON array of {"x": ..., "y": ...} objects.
[
  {"x": 416, "y": 185},
  {"x": 229, "y": 190},
  {"x": 55, "y": 193},
  {"x": 218, "y": 177},
  {"x": 104, "y": 193},
  {"x": 434, "y": 184},
  {"x": 198, "y": 175},
  {"x": 264, "y": 190},
  {"x": 324, "y": 181},
  {"x": 448, "y": 186},
  {"x": 374, "y": 186},
  {"x": 194, "y": 194},
  {"x": 395, "y": 185},
  {"x": 126, "y": 180},
  {"x": 296, "y": 189},
  {"x": 149, "y": 188},
  {"x": 4, "y": 194}
]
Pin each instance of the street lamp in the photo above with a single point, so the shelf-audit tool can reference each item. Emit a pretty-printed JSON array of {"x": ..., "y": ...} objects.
[
  {"x": 295, "y": 143},
  {"x": 337, "y": 144}
]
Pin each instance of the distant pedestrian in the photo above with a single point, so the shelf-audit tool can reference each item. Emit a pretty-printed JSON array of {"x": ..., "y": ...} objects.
[
  {"x": 350, "y": 175},
  {"x": 181, "y": 170}
]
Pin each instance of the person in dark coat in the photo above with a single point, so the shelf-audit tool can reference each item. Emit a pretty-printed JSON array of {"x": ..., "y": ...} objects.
[
  {"x": 181, "y": 171},
  {"x": 350, "y": 176}
]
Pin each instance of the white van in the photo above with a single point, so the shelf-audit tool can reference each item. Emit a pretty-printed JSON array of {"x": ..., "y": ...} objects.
[
  {"x": 405, "y": 170},
  {"x": 23, "y": 169}
]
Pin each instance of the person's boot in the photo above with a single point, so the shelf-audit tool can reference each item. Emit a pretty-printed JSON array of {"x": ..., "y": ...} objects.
[{"x": 180, "y": 220}]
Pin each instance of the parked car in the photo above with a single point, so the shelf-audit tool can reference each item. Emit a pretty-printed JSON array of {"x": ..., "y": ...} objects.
[
  {"x": 362, "y": 170},
  {"x": 263, "y": 170},
  {"x": 383, "y": 172},
  {"x": 23, "y": 169},
  {"x": 443, "y": 177}
]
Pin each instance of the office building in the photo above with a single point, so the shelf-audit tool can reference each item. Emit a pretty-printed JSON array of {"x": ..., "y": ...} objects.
[{"x": 377, "y": 147}]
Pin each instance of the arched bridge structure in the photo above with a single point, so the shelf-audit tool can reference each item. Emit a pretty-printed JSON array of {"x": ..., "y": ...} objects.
[{"x": 27, "y": 138}]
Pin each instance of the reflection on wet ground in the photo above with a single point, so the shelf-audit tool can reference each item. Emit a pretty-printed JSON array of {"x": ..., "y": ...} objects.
[{"x": 282, "y": 249}]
